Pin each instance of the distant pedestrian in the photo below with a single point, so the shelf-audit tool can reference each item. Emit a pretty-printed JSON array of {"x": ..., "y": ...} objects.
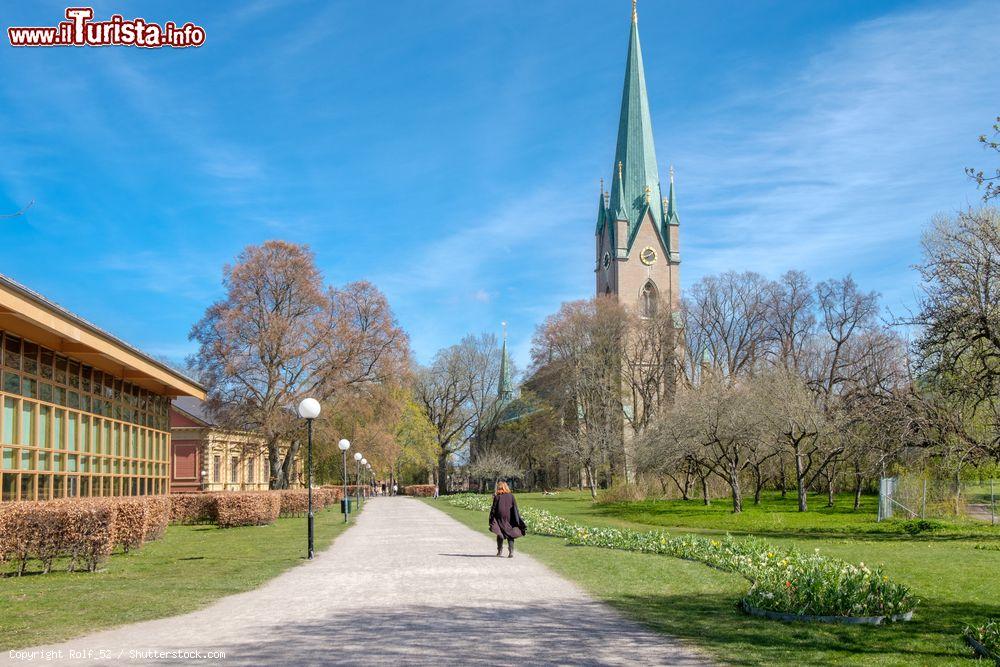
[
  {"x": 395, "y": 489},
  {"x": 505, "y": 520}
]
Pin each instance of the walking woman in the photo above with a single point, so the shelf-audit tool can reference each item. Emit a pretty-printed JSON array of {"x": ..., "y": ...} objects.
[{"x": 505, "y": 520}]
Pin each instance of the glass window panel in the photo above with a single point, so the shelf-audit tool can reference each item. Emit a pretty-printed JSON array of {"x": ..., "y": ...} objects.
[
  {"x": 45, "y": 391},
  {"x": 12, "y": 383},
  {"x": 71, "y": 463},
  {"x": 44, "y": 486},
  {"x": 58, "y": 486},
  {"x": 27, "y": 487},
  {"x": 61, "y": 363},
  {"x": 107, "y": 437},
  {"x": 47, "y": 361},
  {"x": 44, "y": 419},
  {"x": 59, "y": 430},
  {"x": 12, "y": 352},
  {"x": 27, "y": 423},
  {"x": 85, "y": 373},
  {"x": 9, "y": 420},
  {"x": 72, "y": 487},
  {"x": 8, "y": 458},
  {"x": 59, "y": 396},
  {"x": 27, "y": 463},
  {"x": 74, "y": 374},
  {"x": 58, "y": 462},
  {"x": 30, "y": 358},
  {"x": 29, "y": 388},
  {"x": 73, "y": 400},
  {"x": 85, "y": 433},
  {"x": 71, "y": 433},
  {"x": 9, "y": 487},
  {"x": 85, "y": 402}
]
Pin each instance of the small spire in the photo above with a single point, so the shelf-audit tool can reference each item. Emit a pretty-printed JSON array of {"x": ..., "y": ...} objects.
[
  {"x": 602, "y": 186},
  {"x": 671, "y": 174},
  {"x": 648, "y": 190},
  {"x": 504, "y": 325},
  {"x": 635, "y": 13},
  {"x": 619, "y": 168}
]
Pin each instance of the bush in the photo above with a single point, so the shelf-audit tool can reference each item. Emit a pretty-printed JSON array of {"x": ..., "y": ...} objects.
[
  {"x": 157, "y": 517},
  {"x": 81, "y": 530},
  {"x": 420, "y": 490},
  {"x": 336, "y": 493},
  {"x": 129, "y": 523},
  {"x": 254, "y": 508},
  {"x": 296, "y": 501},
  {"x": 192, "y": 507}
]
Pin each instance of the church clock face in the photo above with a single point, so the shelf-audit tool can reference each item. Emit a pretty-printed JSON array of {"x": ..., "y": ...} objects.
[
  {"x": 606, "y": 261},
  {"x": 647, "y": 256}
]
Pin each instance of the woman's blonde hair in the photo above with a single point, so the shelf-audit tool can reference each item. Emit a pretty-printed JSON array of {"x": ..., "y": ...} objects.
[{"x": 502, "y": 488}]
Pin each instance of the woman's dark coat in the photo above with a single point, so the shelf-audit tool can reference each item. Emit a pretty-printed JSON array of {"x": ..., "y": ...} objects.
[{"x": 505, "y": 520}]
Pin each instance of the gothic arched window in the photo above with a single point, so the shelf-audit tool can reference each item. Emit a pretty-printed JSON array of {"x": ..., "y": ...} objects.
[{"x": 648, "y": 298}]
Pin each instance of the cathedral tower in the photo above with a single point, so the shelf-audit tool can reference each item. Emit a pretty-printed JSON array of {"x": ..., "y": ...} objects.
[{"x": 638, "y": 257}]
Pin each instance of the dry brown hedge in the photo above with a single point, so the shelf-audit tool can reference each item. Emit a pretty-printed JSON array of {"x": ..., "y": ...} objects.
[
  {"x": 192, "y": 507},
  {"x": 81, "y": 530},
  {"x": 421, "y": 490},
  {"x": 157, "y": 517},
  {"x": 130, "y": 517},
  {"x": 252, "y": 508},
  {"x": 296, "y": 501}
]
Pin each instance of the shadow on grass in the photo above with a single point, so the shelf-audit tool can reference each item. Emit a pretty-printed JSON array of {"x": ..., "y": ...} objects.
[{"x": 715, "y": 622}]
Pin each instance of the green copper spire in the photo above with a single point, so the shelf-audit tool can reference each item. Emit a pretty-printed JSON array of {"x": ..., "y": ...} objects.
[
  {"x": 671, "y": 212},
  {"x": 635, "y": 152},
  {"x": 505, "y": 392}
]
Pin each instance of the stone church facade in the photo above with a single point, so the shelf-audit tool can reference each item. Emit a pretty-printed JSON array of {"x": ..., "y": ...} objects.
[{"x": 637, "y": 237}]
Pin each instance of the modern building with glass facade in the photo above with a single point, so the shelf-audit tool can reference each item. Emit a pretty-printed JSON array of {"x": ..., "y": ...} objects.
[{"x": 81, "y": 412}]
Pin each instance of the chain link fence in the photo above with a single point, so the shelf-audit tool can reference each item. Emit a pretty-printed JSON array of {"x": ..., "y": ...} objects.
[{"x": 916, "y": 497}]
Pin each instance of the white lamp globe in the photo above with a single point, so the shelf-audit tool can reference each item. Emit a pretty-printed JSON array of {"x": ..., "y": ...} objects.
[
  {"x": 357, "y": 456},
  {"x": 344, "y": 445},
  {"x": 364, "y": 462},
  {"x": 309, "y": 408}
]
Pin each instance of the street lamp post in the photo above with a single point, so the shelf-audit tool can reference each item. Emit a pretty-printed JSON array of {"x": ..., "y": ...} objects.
[
  {"x": 364, "y": 464},
  {"x": 357, "y": 478},
  {"x": 344, "y": 445},
  {"x": 309, "y": 409}
]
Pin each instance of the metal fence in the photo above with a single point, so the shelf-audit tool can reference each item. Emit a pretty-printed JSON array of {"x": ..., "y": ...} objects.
[{"x": 916, "y": 497}]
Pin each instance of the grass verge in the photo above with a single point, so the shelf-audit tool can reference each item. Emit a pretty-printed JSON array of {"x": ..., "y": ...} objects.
[
  {"x": 955, "y": 581},
  {"x": 188, "y": 568}
]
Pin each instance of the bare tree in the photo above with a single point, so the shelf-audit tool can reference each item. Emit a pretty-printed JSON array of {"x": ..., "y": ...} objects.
[
  {"x": 458, "y": 394},
  {"x": 726, "y": 320},
  {"x": 989, "y": 181},
  {"x": 278, "y": 335}
]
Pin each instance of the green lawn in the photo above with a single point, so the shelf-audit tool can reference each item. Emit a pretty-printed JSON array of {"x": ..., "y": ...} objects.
[
  {"x": 187, "y": 569},
  {"x": 956, "y": 583}
]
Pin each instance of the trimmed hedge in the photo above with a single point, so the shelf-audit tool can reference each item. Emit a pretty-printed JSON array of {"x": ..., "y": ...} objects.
[
  {"x": 192, "y": 507},
  {"x": 253, "y": 508},
  {"x": 420, "y": 490},
  {"x": 84, "y": 530}
]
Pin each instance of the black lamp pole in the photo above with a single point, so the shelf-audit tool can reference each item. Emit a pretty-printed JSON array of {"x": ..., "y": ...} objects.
[
  {"x": 309, "y": 422},
  {"x": 347, "y": 498}
]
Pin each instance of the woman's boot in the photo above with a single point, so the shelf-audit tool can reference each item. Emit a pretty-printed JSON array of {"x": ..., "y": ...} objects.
[{"x": 510, "y": 548}]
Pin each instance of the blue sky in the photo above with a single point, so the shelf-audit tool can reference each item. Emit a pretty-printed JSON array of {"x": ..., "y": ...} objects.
[{"x": 450, "y": 151}]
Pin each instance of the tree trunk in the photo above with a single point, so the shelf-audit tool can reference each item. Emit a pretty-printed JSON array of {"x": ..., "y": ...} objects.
[
  {"x": 591, "y": 483},
  {"x": 800, "y": 481},
  {"x": 288, "y": 465},
  {"x": 442, "y": 473},
  {"x": 734, "y": 486},
  {"x": 704, "y": 491},
  {"x": 829, "y": 490},
  {"x": 783, "y": 481},
  {"x": 858, "y": 483}
]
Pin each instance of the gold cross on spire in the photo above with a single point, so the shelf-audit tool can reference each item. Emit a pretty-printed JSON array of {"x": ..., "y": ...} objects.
[
  {"x": 635, "y": 13},
  {"x": 671, "y": 173}
]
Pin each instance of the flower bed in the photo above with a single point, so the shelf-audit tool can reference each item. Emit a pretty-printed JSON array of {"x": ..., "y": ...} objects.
[
  {"x": 782, "y": 581},
  {"x": 985, "y": 639}
]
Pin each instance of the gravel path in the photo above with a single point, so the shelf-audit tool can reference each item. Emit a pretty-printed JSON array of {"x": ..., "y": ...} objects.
[{"x": 407, "y": 585}]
